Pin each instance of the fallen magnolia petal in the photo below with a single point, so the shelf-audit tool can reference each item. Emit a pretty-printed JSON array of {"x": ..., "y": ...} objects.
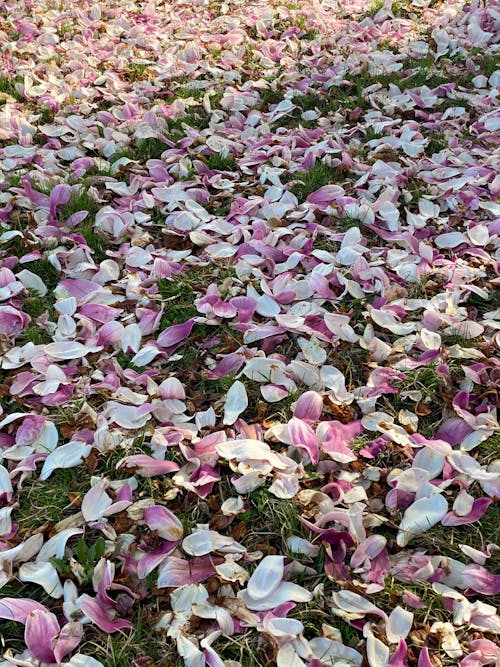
[
  {"x": 41, "y": 630},
  {"x": 448, "y": 639},
  {"x": 44, "y": 574},
  {"x": 204, "y": 541},
  {"x": 352, "y": 606},
  {"x": 147, "y": 466},
  {"x": 163, "y": 522},
  {"x": 15, "y": 609},
  {"x": 236, "y": 403},
  {"x": 285, "y": 592},
  {"x": 398, "y": 625},
  {"x": 65, "y": 456},
  {"x": 421, "y": 516},
  {"x": 101, "y": 616},
  {"x": 266, "y": 577}
]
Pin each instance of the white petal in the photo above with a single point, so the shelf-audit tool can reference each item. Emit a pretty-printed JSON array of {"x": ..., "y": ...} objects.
[
  {"x": 236, "y": 402},
  {"x": 288, "y": 657},
  {"x": 67, "y": 350},
  {"x": 55, "y": 546},
  {"x": 463, "y": 503},
  {"x": 286, "y": 592},
  {"x": 399, "y": 625},
  {"x": 376, "y": 651},
  {"x": 96, "y": 501},
  {"x": 65, "y": 456},
  {"x": 420, "y": 516},
  {"x": 44, "y": 574},
  {"x": 267, "y": 577},
  {"x": 450, "y": 240}
]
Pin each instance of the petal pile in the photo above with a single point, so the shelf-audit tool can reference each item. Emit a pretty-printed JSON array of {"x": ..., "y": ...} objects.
[{"x": 249, "y": 333}]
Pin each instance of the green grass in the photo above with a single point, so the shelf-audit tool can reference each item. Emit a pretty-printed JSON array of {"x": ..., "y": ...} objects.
[
  {"x": 220, "y": 162},
  {"x": 445, "y": 540},
  {"x": 145, "y": 149},
  {"x": 42, "y": 501},
  {"x": 33, "y": 334},
  {"x": 178, "y": 296},
  {"x": 311, "y": 180},
  {"x": 83, "y": 201},
  {"x": 8, "y": 86},
  {"x": 131, "y": 647},
  {"x": 135, "y": 71}
]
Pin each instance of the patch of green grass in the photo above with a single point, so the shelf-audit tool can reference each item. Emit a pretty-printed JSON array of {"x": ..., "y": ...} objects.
[
  {"x": 246, "y": 649},
  {"x": 87, "y": 556},
  {"x": 135, "y": 71},
  {"x": 445, "y": 540},
  {"x": 33, "y": 334},
  {"x": 485, "y": 305},
  {"x": 270, "y": 96},
  {"x": 131, "y": 647},
  {"x": 178, "y": 296},
  {"x": 373, "y": 8},
  {"x": 42, "y": 501},
  {"x": 437, "y": 142},
  {"x": 8, "y": 86},
  {"x": 271, "y": 521},
  {"x": 47, "y": 116},
  {"x": 66, "y": 28},
  {"x": 220, "y": 162},
  {"x": 83, "y": 201},
  {"x": 311, "y": 180},
  {"x": 488, "y": 65},
  {"x": 187, "y": 91},
  {"x": 489, "y": 450},
  {"x": 146, "y": 149},
  {"x": 283, "y": 410}
]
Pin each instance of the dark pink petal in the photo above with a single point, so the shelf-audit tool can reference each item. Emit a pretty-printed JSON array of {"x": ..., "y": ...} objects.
[
  {"x": 230, "y": 364},
  {"x": 303, "y": 437},
  {"x": 40, "y": 631},
  {"x": 59, "y": 195},
  {"x": 102, "y": 616},
  {"x": 479, "y": 508},
  {"x": 399, "y": 658},
  {"x": 424, "y": 659},
  {"x": 176, "y": 333}
]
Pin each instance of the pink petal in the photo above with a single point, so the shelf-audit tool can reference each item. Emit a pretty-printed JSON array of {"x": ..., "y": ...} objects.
[
  {"x": 147, "y": 466},
  {"x": 164, "y": 522},
  {"x": 399, "y": 658},
  {"x": 309, "y": 407},
  {"x": 14, "y": 609},
  {"x": 100, "y": 616},
  {"x": 176, "y": 333},
  {"x": 303, "y": 437},
  {"x": 40, "y": 631}
]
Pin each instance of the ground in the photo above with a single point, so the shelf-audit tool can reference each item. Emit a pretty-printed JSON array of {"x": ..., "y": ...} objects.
[{"x": 249, "y": 327}]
